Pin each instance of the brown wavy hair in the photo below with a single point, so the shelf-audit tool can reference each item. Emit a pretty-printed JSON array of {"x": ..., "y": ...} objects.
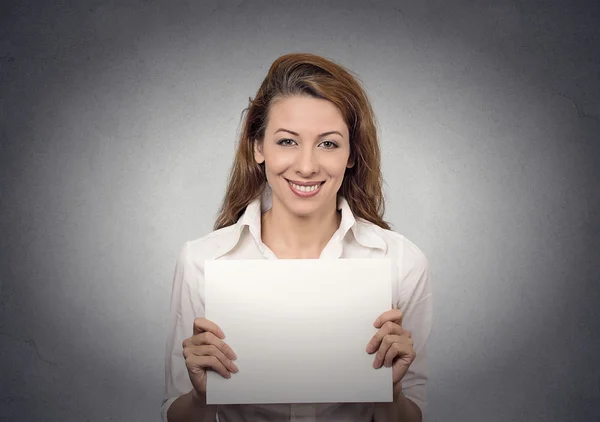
[{"x": 318, "y": 77}]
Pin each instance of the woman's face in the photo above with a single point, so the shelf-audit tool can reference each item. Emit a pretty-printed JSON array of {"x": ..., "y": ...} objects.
[{"x": 306, "y": 151}]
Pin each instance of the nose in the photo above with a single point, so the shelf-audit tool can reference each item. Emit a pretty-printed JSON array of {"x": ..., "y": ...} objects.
[{"x": 307, "y": 163}]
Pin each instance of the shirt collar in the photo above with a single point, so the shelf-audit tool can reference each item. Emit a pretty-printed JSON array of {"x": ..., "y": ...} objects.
[{"x": 364, "y": 232}]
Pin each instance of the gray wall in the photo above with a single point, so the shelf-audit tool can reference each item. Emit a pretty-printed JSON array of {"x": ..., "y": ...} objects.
[{"x": 118, "y": 127}]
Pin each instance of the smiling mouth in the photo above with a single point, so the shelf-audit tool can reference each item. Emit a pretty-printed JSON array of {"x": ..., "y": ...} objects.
[{"x": 305, "y": 189}]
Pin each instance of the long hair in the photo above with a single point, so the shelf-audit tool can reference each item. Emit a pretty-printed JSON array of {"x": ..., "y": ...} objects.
[{"x": 315, "y": 76}]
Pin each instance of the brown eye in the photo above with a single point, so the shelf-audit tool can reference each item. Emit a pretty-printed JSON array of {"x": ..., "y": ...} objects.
[{"x": 329, "y": 144}]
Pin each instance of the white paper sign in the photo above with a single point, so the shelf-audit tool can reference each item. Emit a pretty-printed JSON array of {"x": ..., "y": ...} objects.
[{"x": 299, "y": 329}]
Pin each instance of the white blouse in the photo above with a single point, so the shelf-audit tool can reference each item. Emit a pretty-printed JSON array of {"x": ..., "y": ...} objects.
[{"x": 355, "y": 238}]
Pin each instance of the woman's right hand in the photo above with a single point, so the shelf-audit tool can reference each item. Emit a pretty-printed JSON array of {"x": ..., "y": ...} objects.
[{"x": 206, "y": 350}]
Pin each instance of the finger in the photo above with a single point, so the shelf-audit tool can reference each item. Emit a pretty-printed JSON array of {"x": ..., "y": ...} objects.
[
  {"x": 386, "y": 343},
  {"x": 203, "y": 324},
  {"x": 196, "y": 363},
  {"x": 403, "y": 348},
  {"x": 211, "y": 350},
  {"x": 387, "y": 329},
  {"x": 394, "y": 315},
  {"x": 209, "y": 338}
]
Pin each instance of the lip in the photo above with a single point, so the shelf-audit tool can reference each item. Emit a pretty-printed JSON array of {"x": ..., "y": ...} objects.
[
  {"x": 305, "y": 183},
  {"x": 305, "y": 194}
]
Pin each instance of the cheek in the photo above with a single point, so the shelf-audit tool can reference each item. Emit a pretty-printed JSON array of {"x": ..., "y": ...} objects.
[
  {"x": 277, "y": 162},
  {"x": 336, "y": 166}
]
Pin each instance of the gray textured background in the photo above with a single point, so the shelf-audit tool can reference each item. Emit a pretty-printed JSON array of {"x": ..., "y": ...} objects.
[{"x": 118, "y": 125}]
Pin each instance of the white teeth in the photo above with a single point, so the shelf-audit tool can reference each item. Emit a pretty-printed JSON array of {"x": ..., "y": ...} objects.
[{"x": 305, "y": 188}]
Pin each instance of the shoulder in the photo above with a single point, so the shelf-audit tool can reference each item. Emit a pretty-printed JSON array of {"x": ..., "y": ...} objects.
[
  {"x": 410, "y": 270},
  {"x": 211, "y": 245},
  {"x": 408, "y": 255}
]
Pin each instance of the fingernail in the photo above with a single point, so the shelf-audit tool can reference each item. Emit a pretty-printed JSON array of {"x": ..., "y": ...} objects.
[
  {"x": 233, "y": 356},
  {"x": 221, "y": 333},
  {"x": 370, "y": 348},
  {"x": 228, "y": 374},
  {"x": 376, "y": 363},
  {"x": 234, "y": 367},
  {"x": 376, "y": 322}
]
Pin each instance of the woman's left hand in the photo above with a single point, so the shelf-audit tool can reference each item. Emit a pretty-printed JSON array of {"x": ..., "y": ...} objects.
[{"x": 393, "y": 344}]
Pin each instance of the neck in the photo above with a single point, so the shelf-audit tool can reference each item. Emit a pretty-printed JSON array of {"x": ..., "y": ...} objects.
[{"x": 290, "y": 236}]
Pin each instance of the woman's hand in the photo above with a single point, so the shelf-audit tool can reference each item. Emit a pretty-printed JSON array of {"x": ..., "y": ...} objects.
[
  {"x": 393, "y": 345},
  {"x": 206, "y": 349}
]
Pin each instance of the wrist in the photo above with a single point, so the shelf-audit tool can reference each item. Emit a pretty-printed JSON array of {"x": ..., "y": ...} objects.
[
  {"x": 397, "y": 391},
  {"x": 400, "y": 400},
  {"x": 405, "y": 405}
]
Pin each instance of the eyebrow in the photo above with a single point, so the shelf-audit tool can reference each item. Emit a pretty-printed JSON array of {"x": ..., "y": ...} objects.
[{"x": 321, "y": 134}]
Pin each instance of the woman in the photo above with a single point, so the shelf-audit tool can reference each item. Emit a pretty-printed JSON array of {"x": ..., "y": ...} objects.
[{"x": 305, "y": 183}]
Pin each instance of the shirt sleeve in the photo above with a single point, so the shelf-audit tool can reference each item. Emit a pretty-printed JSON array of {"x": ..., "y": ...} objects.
[
  {"x": 415, "y": 302},
  {"x": 187, "y": 304}
]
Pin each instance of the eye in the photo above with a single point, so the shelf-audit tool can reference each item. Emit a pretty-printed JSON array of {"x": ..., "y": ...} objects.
[
  {"x": 329, "y": 144},
  {"x": 286, "y": 142}
]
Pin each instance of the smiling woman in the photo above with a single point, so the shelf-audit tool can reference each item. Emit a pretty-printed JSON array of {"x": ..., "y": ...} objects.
[
  {"x": 305, "y": 183},
  {"x": 320, "y": 97},
  {"x": 310, "y": 164}
]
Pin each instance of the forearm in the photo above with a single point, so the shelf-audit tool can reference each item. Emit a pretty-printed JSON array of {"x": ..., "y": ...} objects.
[
  {"x": 191, "y": 407},
  {"x": 400, "y": 410}
]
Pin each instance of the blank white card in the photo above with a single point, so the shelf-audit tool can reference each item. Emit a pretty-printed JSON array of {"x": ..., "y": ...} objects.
[{"x": 299, "y": 329}]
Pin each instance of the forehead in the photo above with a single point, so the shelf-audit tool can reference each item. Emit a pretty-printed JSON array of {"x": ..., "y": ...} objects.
[{"x": 305, "y": 114}]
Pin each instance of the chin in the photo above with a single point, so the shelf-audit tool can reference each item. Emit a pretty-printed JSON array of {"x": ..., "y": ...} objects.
[
  {"x": 303, "y": 210},
  {"x": 302, "y": 207}
]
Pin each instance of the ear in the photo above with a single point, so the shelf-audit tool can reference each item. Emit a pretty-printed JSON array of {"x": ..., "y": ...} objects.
[
  {"x": 258, "y": 155},
  {"x": 350, "y": 162}
]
